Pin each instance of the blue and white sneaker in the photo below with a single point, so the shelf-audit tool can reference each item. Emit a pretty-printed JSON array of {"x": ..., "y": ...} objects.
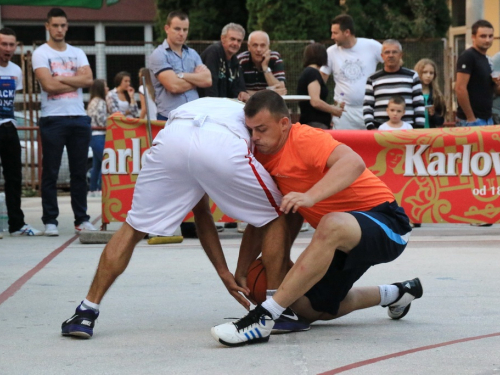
[
  {"x": 289, "y": 321},
  {"x": 409, "y": 290},
  {"x": 81, "y": 324},
  {"x": 27, "y": 231},
  {"x": 253, "y": 328}
]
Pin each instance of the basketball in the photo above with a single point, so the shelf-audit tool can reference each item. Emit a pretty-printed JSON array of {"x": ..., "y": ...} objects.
[{"x": 257, "y": 281}]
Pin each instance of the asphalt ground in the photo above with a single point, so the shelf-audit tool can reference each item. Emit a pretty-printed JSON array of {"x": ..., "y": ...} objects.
[{"x": 156, "y": 319}]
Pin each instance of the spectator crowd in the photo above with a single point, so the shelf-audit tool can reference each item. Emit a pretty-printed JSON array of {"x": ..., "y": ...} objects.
[{"x": 364, "y": 98}]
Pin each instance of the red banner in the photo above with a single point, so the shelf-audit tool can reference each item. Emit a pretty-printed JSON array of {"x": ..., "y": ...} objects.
[{"x": 448, "y": 175}]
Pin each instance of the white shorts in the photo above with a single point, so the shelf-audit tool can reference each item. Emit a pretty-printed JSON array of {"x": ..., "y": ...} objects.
[
  {"x": 187, "y": 161},
  {"x": 352, "y": 119}
]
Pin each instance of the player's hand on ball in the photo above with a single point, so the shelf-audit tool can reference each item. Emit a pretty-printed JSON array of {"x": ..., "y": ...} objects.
[
  {"x": 293, "y": 201},
  {"x": 235, "y": 290}
]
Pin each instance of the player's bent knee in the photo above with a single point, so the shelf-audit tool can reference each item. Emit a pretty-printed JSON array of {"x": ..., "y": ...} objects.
[
  {"x": 332, "y": 222},
  {"x": 339, "y": 227}
]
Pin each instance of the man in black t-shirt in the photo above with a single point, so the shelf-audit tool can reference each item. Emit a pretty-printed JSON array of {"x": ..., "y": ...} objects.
[
  {"x": 474, "y": 85},
  {"x": 220, "y": 58}
]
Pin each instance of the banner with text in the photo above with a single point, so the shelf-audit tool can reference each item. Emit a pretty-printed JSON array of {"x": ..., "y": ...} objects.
[
  {"x": 124, "y": 150},
  {"x": 448, "y": 175}
]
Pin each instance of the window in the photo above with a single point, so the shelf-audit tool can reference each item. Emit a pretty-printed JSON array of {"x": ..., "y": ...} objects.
[
  {"x": 80, "y": 34},
  {"x": 458, "y": 13},
  {"x": 124, "y": 34},
  {"x": 29, "y": 34},
  {"x": 128, "y": 63}
]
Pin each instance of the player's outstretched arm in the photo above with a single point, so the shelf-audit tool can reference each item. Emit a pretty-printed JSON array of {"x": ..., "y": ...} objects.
[{"x": 209, "y": 239}]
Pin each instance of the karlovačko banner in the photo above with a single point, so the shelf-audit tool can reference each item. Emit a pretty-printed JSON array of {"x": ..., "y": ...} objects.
[{"x": 445, "y": 175}]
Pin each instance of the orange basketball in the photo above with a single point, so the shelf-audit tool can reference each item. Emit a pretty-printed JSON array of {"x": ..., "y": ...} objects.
[{"x": 257, "y": 281}]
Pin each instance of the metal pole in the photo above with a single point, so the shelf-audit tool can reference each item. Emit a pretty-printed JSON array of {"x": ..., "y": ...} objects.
[{"x": 148, "y": 119}]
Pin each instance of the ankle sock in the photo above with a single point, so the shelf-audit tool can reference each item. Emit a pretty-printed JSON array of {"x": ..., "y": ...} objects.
[
  {"x": 271, "y": 306},
  {"x": 87, "y": 305},
  {"x": 270, "y": 293},
  {"x": 388, "y": 294}
]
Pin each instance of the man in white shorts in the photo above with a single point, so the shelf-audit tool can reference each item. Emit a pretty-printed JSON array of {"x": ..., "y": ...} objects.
[
  {"x": 351, "y": 60},
  {"x": 204, "y": 148}
]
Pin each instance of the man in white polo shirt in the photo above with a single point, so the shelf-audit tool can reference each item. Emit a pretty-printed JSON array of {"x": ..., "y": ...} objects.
[{"x": 63, "y": 71}]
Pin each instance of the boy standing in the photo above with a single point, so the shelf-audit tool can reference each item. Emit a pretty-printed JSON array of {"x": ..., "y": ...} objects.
[{"x": 395, "y": 111}]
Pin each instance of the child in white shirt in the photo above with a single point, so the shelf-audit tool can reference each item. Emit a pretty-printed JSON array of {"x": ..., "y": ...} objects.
[{"x": 395, "y": 110}]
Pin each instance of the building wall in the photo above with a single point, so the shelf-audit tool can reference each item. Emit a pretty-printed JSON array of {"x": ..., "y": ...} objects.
[
  {"x": 124, "y": 11},
  {"x": 492, "y": 14}
]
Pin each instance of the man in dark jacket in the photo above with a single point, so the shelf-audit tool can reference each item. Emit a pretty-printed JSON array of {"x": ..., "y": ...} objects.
[{"x": 220, "y": 58}]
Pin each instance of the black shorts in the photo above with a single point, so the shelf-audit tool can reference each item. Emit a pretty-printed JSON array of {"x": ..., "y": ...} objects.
[{"x": 385, "y": 231}]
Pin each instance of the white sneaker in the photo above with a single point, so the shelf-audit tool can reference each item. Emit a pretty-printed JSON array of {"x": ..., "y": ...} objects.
[
  {"x": 27, "y": 230},
  {"x": 220, "y": 227},
  {"x": 241, "y": 226},
  {"x": 86, "y": 225},
  {"x": 408, "y": 291},
  {"x": 51, "y": 230},
  {"x": 255, "y": 327}
]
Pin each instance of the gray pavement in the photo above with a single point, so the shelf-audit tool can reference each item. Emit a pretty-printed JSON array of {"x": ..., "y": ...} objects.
[{"x": 156, "y": 319}]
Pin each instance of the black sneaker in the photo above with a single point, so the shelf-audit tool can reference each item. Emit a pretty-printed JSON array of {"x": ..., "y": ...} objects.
[
  {"x": 408, "y": 291},
  {"x": 253, "y": 328},
  {"x": 290, "y": 322},
  {"x": 81, "y": 324}
]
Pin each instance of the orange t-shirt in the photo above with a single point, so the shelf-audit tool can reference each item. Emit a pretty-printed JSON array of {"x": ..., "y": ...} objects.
[{"x": 301, "y": 163}]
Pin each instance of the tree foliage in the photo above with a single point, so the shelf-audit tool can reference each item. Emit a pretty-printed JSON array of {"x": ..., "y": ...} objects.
[
  {"x": 382, "y": 19},
  {"x": 206, "y": 17},
  {"x": 292, "y": 19},
  {"x": 310, "y": 19}
]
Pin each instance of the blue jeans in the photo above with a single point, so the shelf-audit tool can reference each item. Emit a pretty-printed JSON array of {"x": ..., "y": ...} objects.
[
  {"x": 73, "y": 132},
  {"x": 97, "y": 144},
  {"x": 161, "y": 117},
  {"x": 478, "y": 122}
]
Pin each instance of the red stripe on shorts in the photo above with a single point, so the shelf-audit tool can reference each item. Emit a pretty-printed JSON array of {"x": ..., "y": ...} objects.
[{"x": 263, "y": 185}]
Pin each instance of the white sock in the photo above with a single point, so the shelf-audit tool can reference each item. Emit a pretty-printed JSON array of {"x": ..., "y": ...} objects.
[
  {"x": 270, "y": 293},
  {"x": 86, "y": 304},
  {"x": 388, "y": 294},
  {"x": 271, "y": 306}
]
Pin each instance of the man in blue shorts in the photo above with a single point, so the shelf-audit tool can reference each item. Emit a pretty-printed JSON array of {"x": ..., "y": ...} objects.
[{"x": 357, "y": 219}]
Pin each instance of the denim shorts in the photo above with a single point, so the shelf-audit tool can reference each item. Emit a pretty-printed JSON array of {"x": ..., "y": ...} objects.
[{"x": 478, "y": 122}]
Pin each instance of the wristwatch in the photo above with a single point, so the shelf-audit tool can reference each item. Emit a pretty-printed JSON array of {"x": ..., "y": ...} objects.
[
  {"x": 180, "y": 75},
  {"x": 268, "y": 70}
]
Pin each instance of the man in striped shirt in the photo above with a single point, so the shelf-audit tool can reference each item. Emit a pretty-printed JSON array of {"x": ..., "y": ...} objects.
[
  {"x": 392, "y": 80},
  {"x": 262, "y": 68}
]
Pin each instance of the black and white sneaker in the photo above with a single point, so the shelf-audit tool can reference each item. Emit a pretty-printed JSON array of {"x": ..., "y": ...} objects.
[
  {"x": 253, "y": 328},
  {"x": 408, "y": 291},
  {"x": 289, "y": 321},
  {"x": 81, "y": 324}
]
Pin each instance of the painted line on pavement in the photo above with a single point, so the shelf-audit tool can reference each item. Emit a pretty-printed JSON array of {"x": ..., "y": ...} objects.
[
  {"x": 18, "y": 284},
  {"x": 400, "y": 354}
]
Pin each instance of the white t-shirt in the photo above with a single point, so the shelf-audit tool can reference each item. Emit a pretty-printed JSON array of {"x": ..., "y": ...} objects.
[
  {"x": 351, "y": 67},
  {"x": 386, "y": 126},
  {"x": 65, "y": 63},
  {"x": 11, "y": 80},
  {"x": 151, "y": 104},
  {"x": 223, "y": 111}
]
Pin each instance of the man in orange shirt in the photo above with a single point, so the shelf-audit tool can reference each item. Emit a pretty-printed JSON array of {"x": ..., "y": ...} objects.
[{"x": 358, "y": 224}]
